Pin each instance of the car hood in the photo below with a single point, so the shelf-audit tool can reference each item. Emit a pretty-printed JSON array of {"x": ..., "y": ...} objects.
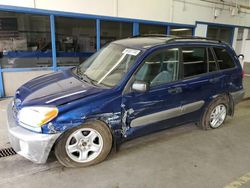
[{"x": 54, "y": 89}]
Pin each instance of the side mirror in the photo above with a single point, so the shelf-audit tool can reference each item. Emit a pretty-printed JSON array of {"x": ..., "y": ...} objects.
[
  {"x": 140, "y": 86},
  {"x": 241, "y": 57}
]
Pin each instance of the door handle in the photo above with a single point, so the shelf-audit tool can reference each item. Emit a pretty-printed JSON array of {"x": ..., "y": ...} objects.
[{"x": 175, "y": 90}]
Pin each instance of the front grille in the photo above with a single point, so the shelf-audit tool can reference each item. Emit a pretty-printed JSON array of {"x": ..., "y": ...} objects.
[{"x": 7, "y": 152}]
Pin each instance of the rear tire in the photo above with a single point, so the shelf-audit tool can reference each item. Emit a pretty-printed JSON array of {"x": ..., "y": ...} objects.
[
  {"x": 84, "y": 145},
  {"x": 215, "y": 114}
]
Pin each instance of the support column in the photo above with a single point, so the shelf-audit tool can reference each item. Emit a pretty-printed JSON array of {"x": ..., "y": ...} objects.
[
  {"x": 136, "y": 30},
  {"x": 53, "y": 42},
  {"x": 98, "y": 35},
  {"x": 1, "y": 83}
]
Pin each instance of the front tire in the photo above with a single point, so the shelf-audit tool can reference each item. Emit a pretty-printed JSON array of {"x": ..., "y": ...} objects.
[
  {"x": 215, "y": 114},
  {"x": 85, "y": 145}
]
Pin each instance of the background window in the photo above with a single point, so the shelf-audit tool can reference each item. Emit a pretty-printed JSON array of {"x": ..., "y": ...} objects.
[
  {"x": 240, "y": 33},
  {"x": 194, "y": 61},
  {"x": 111, "y": 31},
  {"x": 223, "y": 58},
  {"x": 178, "y": 31},
  {"x": 75, "y": 40},
  {"x": 220, "y": 33},
  {"x": 25, "y": 40},
  {"x": 160, "y": 67},
  {"x": 248, "y": 34},
  {"x": 152, "y": 29}
]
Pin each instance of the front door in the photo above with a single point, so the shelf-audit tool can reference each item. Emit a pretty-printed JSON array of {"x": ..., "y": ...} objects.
[{"x": 148, "y": 111}]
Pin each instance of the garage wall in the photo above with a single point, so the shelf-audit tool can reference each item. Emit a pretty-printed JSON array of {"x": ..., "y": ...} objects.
[
  {"x": 179, "y": 11},
  {"x": 247, "y": 51}
]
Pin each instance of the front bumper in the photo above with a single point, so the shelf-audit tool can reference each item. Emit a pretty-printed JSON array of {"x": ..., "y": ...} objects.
[{"x": 33, "y": 146}]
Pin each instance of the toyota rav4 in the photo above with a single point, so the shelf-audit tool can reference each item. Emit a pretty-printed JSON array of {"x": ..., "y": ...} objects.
[{"x": 129, "y": 88}]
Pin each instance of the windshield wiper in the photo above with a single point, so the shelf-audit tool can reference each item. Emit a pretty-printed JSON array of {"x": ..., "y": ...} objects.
[
  {"x": 83, "y": 76},
  {"x": 79, "y": 71}
]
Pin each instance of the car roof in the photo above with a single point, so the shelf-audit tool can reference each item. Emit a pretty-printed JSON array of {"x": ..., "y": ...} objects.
[{"x": 148, "y": 41}]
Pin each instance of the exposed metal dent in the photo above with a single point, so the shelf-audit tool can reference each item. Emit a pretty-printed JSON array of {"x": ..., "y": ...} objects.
[
  {"x": 125, "y": 114},
  {"x": 167, "y": 114}
]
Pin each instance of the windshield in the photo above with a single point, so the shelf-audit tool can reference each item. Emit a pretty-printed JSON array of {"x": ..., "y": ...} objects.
[{"x": 109, "y": 65}]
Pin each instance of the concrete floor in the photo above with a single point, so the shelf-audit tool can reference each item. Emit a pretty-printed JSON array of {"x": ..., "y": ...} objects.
[
  {"x": 246, "y": 81},
  {"x": 180, "y": 157}
]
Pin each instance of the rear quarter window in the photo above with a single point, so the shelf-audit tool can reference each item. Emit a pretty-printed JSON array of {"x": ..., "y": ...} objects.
[{"x": 223, "y": 58}]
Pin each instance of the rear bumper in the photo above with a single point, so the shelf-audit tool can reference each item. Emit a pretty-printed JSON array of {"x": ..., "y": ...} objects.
[
  {"x": 237, "y": 96},
  {"x": 33, "y": 146}
]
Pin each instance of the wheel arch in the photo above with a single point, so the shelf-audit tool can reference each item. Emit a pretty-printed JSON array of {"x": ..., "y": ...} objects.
[
  {"x": 228, "y": 96},
  {"x": 93, "y": 120}
]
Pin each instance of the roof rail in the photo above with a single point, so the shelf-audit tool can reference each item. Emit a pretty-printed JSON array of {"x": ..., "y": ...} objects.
[
  {"x": 151, "y": 35},
  {"x": 174, "y": 38}
]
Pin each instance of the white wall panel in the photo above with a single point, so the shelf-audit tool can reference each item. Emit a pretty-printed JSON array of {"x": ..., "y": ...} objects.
[
  {"x": 21, "y": 3},
  {"x": 145, "y": 9},
  {"x": 99, "y": 7},
  {"x": 196, "y": 10},
  {"x": 186, "y": 12}
]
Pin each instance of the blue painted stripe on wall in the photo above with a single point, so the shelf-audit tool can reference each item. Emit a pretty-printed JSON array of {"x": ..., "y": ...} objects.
[
  {"x": 220, "y": 24},
  {"x": 26, "y": 69}
]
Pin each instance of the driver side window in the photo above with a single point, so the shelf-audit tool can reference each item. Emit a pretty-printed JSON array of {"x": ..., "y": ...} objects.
[{"x": 160, "y": 67}]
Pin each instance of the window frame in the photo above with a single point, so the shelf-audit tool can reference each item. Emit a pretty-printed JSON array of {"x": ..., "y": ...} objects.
[
  {"x": 215, "y": 59},
  {"x": 142, "y": 63},
  {"x": 215, "y": 56},
  {"x": 182, "y": 63}
]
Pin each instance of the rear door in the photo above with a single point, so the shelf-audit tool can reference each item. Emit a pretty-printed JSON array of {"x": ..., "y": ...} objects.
[{"x": 201, "y": 80}]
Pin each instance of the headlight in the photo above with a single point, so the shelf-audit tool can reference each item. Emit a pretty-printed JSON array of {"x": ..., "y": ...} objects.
[{"x": 34, "y": 117}]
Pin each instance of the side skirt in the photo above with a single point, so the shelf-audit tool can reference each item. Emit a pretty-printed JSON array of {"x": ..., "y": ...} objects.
[{"x": 166, "y": 114}]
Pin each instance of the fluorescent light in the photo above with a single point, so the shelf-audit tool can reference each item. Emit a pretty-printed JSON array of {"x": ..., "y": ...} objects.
[{"x": 180, "y": 29}]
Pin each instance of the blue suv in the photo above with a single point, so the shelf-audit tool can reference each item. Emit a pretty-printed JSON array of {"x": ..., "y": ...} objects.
[{"x": 129, "y": 88}]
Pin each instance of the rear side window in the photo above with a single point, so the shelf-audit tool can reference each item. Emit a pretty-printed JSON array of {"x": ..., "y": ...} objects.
[
  {"x": 223, "y": 58},
  {"x": 194, "y": 61}
]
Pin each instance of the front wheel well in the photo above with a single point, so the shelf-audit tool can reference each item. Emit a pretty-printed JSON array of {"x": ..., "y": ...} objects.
[{"x": 89, "y": 121}]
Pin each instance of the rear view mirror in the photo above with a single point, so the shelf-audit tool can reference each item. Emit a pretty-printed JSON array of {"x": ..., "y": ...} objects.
[
  {"x": 241, "y": 57},
  {"x": 140, "y": 86}
]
